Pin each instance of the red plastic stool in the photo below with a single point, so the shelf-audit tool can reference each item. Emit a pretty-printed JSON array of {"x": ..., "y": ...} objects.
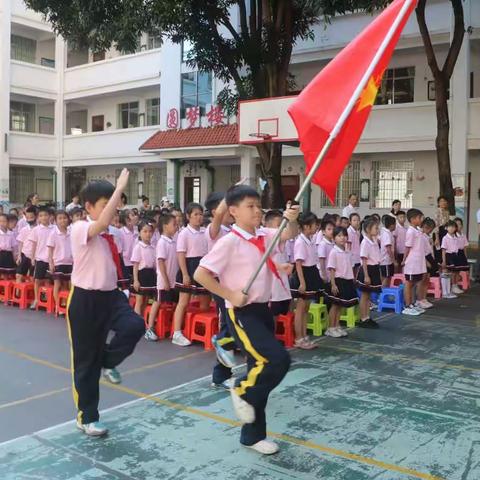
[
  {"x": 164, "y": 324},
  {"x": 45, "y": 299},
  {"x": 61, "y": 306},
  {"x": 284, "y": 329},
  {"x": 6, "y": 288},
  {"x": 397, "y": 280},
  {"x": 204, "y": 326},
  {"x": 435, "y": 287},
  {"x": 464, "y": 282},
  {"x": 23, "y": 294}
]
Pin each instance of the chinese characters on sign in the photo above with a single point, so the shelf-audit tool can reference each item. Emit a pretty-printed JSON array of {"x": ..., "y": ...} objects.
[
  {"x": 172, "y": 118},
  {"x": 192, "y": 115},
  {"x": 215, "y": 116}
]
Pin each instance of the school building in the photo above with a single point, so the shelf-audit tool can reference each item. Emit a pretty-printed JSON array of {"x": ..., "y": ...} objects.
[{"x": 69, "y": 116}]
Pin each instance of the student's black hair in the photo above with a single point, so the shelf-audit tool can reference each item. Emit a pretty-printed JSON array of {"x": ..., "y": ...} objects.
[
  {"x": 165, "y": 220},
  {"x": 193, "y": 206},
  {"x": 213, "y": 200},
  {"x": 451, "y": 223},
  {"x": 339, "y": 230},
  {"x": 325, "y": 223},
  {"x": 145, "y": 223},
  {"x": 344, "y": 218},
  {"x": 458, "y": 219},
  {"x": 93, "y": 191},
  {"x": 123, "y": 217},
  {"x": 352, "y": 195},
  {"x": 400, "y": 212},
  {"x": 428, "y": 222},
  {"x": 441, "y": 197},
  {"x": 307, "y": 218},
  {"x": 377, "y": 216},
  {"x": 354, "y": 214},
  {"x": 134, "y": 211},
  {"x": 396, "y": 201},
  {"x": 43, "y": 209},
  {"x": 413, "y": 213},
  {"x": 389, "y": 221},
  {"x": 238, "y": 193},
  {"x": 124, "y": 198},
  {"x": 13, "y": 210},
  {"x": 369, "y": 222},
  {"x": 61, "y": 212},
  {"x": 144, "y": 197},
  {"x": 334, "y": 217},
  {"x": 166, "y": 211},
  {"x": 76, "y": 211},
  {"x": 271, "y": 214}
]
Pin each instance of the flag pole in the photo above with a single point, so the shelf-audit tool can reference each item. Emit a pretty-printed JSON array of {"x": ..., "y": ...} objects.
[{"x": 333, "y": 134}]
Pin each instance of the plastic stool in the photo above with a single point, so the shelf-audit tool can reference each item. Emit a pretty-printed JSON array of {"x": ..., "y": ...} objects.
[
  {"x": 350, "y": 315},
  {"x": 164, "y": 323},
  {"x": 132, "y": 300},
  {"x": 464, "y": 282},
  {"x": 23, "y": 294},
  {"x": 397, "y": 279},
  {"x": 6, "y": 288},
  {"x": 208, "y": 323},
  {"x": 62, "y": 299},
  {"x": 45, "y": 299},
  {"x": 392, "y": 299},
  {"x": 435, "y": 287},
  {"x": 286, "y": 332},
  {"x": 317, "y": 318}
]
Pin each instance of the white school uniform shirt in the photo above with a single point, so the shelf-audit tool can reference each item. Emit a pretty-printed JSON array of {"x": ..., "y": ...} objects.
[
  {"x": 305, "y": 250},
  {"x": 348, "y": 210},
  {"x": 450, "y": 243},
  {"x": 354, "y": 240},
  {"x": 341, "y": 261},
  {"x": 192, "y": 242},
  {"x": 415, "y": 263},
  {"x": 462, "y": 241},
  {"x": 370, "y": 249},
  {"x": 386, "y": 239},
  {"x": 166, "y": 250}
]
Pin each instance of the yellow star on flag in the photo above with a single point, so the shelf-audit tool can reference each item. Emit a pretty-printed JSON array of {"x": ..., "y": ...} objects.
[{"x": 368, "y": 96}]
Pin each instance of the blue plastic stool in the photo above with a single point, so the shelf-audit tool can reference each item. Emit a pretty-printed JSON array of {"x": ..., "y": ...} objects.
[
  {"x": 391, "y": 298},
  {"x": 373, "y": 296}
]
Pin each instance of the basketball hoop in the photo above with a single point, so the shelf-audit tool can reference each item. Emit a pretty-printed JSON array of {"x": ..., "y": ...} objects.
[{"x": 261, "y": 136}]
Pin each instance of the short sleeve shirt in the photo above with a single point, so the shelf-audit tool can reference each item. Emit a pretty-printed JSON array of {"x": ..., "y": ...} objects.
[
  {"x": 415, "y": 263},
  {"x": 39, "y": 235},
  {"x": 192, "y": 242},
  {"x": 305, "y": 250},
  {"x": 62, "y": 247},
  {"x": 370, "y": 250},
  {"x": 144, "y": 255},
  {"x": 167, "y": 251},
  {"x": 386, "y": 240},
  {"x": 340, "y": 260}
]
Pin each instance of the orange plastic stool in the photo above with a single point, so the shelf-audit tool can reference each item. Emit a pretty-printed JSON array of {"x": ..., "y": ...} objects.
[
  {"x": 164, "y": 324},
  {"x": 435, "y": 287},
  {"x": 23, "y": 294},
  {"x": 397, "y": 280},
  {"x": 6, "y": 288},
  {"x": 464, "y": 282},
  {"x": 132, "y": 300},
  {"x": 45, "y": 299},
  {"x": 204, "y": 326},
  {"x": 284, "y": 329},
  {"x": 61, "y": 306}
]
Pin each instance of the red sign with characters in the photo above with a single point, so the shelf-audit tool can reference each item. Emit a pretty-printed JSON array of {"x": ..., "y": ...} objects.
[
  {"x": 192, "y": 115},
  {"x": 215, "y": 116},
  {"x": 172, "y": 118}
]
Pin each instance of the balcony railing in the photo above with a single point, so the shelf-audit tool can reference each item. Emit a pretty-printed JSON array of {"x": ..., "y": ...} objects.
[
  {"x": 34, "y": 78},
  {"x": 32, "y": 147}
]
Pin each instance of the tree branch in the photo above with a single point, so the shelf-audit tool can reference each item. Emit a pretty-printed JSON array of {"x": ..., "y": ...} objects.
[
  {"x": 457, "y": 41},
  {"x": 427, "y": 41},
  {"x": 243, "y": 18},
  {"x": 226, "y": 23}
]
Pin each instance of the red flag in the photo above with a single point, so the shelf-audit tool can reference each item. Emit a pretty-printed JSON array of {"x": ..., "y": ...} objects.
[{"x": 321, "y": 104}]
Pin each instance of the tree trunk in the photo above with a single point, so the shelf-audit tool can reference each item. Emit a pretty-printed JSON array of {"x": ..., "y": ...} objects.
[
  {"x": 442, "y": 142},
  {"x": 271, "y": 169}
]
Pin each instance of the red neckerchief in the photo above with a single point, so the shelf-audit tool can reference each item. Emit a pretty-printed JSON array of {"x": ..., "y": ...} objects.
[
  {"x": 259, "y": 242},
  {"x": 115, "y": 255}
]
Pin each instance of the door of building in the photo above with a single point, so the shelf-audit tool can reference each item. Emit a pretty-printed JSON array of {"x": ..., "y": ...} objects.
[
  {"x": 75, "y": 179},
  {"x": 290, "y": 186},
  {"x": 192, "y": 190},
  {"x": 98, "y": 123}
]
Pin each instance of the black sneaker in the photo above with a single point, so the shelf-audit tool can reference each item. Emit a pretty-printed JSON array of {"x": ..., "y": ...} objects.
[{"x": 369, "y": 323}]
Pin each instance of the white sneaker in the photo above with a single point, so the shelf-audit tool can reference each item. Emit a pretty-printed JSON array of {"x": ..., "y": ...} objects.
[
  {"x": 449, "y": 295},
  {"x": 181, "y": 340},
  {"x": 457, "y": 290},
  {"x": 94, "y": 429},
  {"x": 244, "y": 411},
  {"x": 265, "y": 447},
  {"x": 418, "y": 309},
  {"x": 425, "y": 304},
  {"x": 150, "y": 335},
  {"x": 410, "y": 311},
  {"x": 333, "y": 332},
  {"x": 343, "y": 333}
]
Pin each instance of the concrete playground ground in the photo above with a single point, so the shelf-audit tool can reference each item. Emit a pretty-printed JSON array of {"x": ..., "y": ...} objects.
[{"x": 401, "y": 402}]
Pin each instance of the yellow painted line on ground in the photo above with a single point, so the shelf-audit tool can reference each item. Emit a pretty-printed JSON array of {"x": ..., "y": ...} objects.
[
  {"x": 35, "y": 397},
  {"x": 227, "y": 421},
  {"x": 403, "y": 358}
]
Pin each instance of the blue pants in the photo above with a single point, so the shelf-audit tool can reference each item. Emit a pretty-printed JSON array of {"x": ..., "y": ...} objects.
[{"x": 267, "y": 363}]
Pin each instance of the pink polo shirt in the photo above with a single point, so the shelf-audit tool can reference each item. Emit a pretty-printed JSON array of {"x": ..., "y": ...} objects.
[
  {"x": 144, "y": 255},
  {"x": 22, "y": 222},
  {"x": 386, "y": 240},
  {"x": 39, "y": 235},
  {"x": 324, "y": 248},
  {"x": 341, "y": 261},
  {"x": 427, "y": 243},
  {"x": 7, "y": 241},
  {"x": 167, "y": 251},
  {"x": 462, "y": 241},
  {"x": 129, "y": 238},
  {"x": 415, "y": 263},
  {"x": 62, "y": 247},
  {"x": 450, "y": 243},
  {"x": 93, "y": 265},
  {"x": 305, "y": 250},
  {"x": 221, "y": 233},
  {"x": 354, "y": 241},
  {"x": 155, "y": 237},
  {"x": 192, "y": 242},
  {"x": 400, "y": 234},
  {"x": 233, "y": 259},
  {"x": 23, "y": 238},
  {"x": 370, "y": 249},
  {"x": 280, "y": 287}
]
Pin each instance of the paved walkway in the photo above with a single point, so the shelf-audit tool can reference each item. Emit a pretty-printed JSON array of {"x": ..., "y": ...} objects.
[{"x": 398, "y": 403}]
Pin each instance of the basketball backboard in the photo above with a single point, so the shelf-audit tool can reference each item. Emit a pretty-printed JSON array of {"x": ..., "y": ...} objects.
[{"x": 266, "y": 120}]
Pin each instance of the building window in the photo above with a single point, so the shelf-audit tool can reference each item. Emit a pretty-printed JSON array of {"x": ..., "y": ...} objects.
[
  {"x": 234, "y": 174},
  {"x": 398, "y": 86},
  {"x": 21, "y": 184},
  {"x": 128, "y": 115},
  {"x": 23, "y": 49},
  {"x": 155, "y": 184},
  {"x": 392, "y": 180},
  {"x": 152, "y": 106},
  {"x": 132, "y": 187},
  {"x": 196, "y": 91},
  {"x": 349, "y": 183},
  {"x": 187, "y": 48},
  {"x": 46, "y": 125},
  {"x": 22, "y": 117},
  {"x": 154, "y": 40}
]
